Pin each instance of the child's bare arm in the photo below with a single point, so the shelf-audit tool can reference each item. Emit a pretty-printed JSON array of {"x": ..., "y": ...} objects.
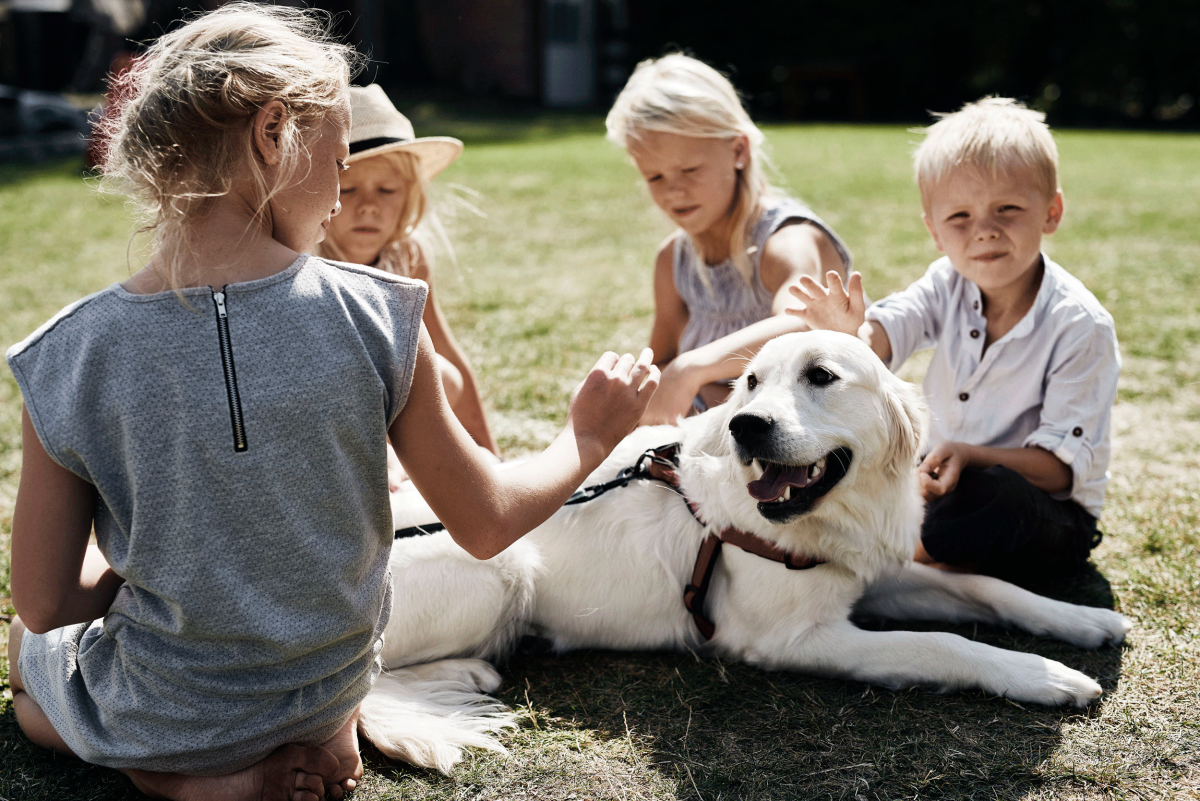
[
  {"x": 940, "y": 470},
  {"x": 790, "y": 252},
  {"x": 57, "y": 579},
  {"x": 486, "y": 510},
  {"x": 839, "y": 307}
]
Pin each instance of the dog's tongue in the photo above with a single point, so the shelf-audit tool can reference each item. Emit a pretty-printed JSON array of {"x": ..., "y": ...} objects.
[{"x": 777, "y": 478}]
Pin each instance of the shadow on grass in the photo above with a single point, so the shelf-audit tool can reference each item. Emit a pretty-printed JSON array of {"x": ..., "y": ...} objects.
[
  {"x": 715, "y": 730},
  {"x": 733, "y": 731}
]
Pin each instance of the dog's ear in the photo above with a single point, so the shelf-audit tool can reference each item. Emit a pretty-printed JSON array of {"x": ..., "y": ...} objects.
[{"x": 906, "y": 420}]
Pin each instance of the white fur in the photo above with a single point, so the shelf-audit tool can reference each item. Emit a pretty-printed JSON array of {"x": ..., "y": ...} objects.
[{"x": 610, "y": 573}]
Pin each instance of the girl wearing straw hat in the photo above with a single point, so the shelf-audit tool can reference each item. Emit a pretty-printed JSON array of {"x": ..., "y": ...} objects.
[{"x": 387, "y": 222}]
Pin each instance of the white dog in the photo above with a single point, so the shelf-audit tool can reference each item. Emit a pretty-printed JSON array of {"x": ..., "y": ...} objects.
[{"x": 814, "y": 453}]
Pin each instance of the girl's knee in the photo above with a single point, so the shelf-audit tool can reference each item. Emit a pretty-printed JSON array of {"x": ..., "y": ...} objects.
[
  {"x": 452, "y": 381},
  {"x": 16, "y": 631}
]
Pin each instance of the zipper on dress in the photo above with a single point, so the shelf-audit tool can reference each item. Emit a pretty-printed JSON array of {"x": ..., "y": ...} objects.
[{"x": 231, "y": 387}]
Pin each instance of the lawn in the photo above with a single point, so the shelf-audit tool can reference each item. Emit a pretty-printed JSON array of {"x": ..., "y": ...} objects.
[{"x": 556, "y": 268}]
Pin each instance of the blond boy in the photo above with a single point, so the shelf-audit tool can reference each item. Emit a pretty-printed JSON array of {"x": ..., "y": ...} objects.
[{"x": 1024, "y": 374}]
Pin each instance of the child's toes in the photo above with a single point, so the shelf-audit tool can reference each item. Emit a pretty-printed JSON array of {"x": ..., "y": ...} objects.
[{"x": 308, "y": 786}]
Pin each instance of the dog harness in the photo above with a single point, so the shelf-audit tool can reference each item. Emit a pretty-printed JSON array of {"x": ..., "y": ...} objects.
[{"x": 661, "y": 464}]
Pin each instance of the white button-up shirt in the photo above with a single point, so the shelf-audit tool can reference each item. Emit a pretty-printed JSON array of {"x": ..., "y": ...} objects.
[{"x": 1050, "y": 382}]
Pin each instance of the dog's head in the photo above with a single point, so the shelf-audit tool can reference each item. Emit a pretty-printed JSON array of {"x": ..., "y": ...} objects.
[{"x": 816, "y": 449}]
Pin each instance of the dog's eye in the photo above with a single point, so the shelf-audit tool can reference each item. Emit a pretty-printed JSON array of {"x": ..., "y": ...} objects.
[
  {"x": 751, "y": 381},
  {"x": 819, "y": 376}
]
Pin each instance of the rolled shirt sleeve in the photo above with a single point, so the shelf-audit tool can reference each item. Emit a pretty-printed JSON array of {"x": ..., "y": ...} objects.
[{"x": 1080, "y": 389}]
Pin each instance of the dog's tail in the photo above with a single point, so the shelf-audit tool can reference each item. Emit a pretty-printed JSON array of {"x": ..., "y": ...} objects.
[{"x": 427, "y": 714}]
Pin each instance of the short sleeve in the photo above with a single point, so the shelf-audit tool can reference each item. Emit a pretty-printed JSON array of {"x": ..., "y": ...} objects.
[
  {"x": 1080, "y": 389},
  {"x": 50, "y": 366},
  {"x": 407, "y": 301},
  {"x": 912, "y": 318}
]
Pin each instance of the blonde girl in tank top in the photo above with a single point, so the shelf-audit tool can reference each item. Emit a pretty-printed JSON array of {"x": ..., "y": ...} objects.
[{"x": 720, "y": 281}]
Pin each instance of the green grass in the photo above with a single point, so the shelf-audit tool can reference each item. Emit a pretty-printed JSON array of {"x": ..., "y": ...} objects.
[{"x": 557, "y": 270}]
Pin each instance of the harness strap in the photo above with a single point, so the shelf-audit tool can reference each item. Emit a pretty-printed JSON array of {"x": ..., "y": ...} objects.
[
  {"x": 694, "y": 594},
  {"x": 657, "y": 464},
  {"x": 769, "y": 550}
]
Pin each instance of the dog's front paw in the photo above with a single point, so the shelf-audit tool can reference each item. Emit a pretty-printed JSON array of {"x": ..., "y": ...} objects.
[
  {"x": 1093, "y": 627},
  {"x": 1053, "y": 684}
]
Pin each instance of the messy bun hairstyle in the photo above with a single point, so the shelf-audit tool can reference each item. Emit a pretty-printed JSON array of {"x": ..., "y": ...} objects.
[{"x": 184, "y": 134}]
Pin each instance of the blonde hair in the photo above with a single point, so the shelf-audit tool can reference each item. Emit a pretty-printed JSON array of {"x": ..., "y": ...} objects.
[
  {"x": 418, "y": 230},
  {"x": 994, "y": 134},
  {"x": 185, "y": 133},
  {"x": 680, "y": 95}
]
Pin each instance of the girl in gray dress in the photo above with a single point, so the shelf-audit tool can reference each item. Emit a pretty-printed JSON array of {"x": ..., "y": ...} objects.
[
  {"x": 219, "y": 419},
  {"x": 720, "y": 281}
]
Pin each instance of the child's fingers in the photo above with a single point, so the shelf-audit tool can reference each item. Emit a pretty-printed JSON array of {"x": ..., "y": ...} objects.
[
  {"x": 812, "y": 286},
  {"x": 607, "y": 361},
  {"x": 858, "y": 300},
  {"x": 833, "y": 280},
  {"x": 931, "y": 487},
  {"x": 642, "y": 367},
  {"x": 807, "y": 290},
  {"x": 649, "y": 384}
]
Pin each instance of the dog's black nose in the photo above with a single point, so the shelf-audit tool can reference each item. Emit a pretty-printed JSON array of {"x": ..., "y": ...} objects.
[{"x": 750, "y": 429}]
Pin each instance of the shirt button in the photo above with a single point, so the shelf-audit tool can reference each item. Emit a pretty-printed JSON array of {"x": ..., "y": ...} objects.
[
  {"x": 974, "y": 333},
  {"x": 1077, "y": 431},
  {"x": 962, "y": 396},
  {"x": 975, "y": 305}
]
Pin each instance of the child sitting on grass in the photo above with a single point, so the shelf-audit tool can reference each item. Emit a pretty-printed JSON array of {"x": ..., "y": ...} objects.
[
  {"x": 720, "y": 280},
  {"x": 1024, "y": 374},
  {"x": 219, "y": 419},
  {"x": 387, "y": 222}
]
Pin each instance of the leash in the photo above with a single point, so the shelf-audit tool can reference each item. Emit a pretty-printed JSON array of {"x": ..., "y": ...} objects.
[
  {"x": 655, "y": 464},
  {"x": 661, "y": 464}
]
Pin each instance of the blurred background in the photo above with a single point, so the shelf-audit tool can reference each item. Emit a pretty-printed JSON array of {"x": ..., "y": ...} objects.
[{"x": 1087, "y": 63}]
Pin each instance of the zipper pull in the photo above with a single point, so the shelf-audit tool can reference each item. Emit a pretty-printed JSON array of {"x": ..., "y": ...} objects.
[{"x": 219, "y": 298}]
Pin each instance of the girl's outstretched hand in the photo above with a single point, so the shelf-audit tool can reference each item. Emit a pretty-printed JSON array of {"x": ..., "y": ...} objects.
[
  {"x": 607, "y": 406},
  {"x": 837, "y": 307}
]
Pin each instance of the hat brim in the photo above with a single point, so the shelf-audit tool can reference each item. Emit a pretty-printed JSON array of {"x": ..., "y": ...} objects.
[{"x": 433, "y": 153}]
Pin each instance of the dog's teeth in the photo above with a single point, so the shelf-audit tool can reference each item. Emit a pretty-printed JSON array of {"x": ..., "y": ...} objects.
[
  {"x": 815, "y": 471},
  {"x": 820, "y": 464},
  {"x": 787, "y": 493}
]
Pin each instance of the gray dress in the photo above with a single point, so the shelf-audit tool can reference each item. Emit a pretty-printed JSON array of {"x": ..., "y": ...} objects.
[
  {"x": 236, "y": 443},
  {"x": 728, "y": 303}
]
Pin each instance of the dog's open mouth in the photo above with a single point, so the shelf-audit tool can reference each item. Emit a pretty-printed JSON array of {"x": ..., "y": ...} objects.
[{"x": 785, "y": 491}]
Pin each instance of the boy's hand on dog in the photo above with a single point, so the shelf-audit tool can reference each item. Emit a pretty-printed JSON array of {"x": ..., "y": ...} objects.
[
  {"x": 834, "y": 307},
  {"x": 607, "y": 406},
  {"x": 939, "y": 471}
]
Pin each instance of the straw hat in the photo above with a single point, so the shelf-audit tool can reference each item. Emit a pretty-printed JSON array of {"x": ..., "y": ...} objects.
[{"x": 376, "y": 127}]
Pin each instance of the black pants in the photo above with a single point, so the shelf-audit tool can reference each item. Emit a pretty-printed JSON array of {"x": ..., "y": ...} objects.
[{"x": 1004, "y": 526}]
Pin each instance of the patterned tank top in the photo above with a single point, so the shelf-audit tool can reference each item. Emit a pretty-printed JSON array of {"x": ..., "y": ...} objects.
[{"x": 728, "y": 303}]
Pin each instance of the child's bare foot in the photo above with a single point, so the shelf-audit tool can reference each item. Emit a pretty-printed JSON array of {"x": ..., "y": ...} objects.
[
  {"x": 344, "y": 746},
  {"x": 290, "y": 773}
]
